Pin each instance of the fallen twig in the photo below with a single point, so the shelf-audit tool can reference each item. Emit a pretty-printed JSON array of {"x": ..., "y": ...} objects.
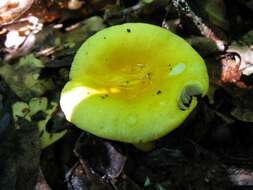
[{"x": 183, "y": 8}]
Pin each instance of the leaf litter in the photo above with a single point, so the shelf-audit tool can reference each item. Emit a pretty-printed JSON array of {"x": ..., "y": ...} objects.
[{"x": 212, "y": 148}]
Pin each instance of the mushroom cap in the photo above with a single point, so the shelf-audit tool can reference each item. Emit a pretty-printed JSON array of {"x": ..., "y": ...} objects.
[{"x": 132, "y": 83}]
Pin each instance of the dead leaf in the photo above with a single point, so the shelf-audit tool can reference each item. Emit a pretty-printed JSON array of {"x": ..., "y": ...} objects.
[
  {"x": 28, "y": 85},
  {"x": 13, "y": 9},
  {"x": 101, "y": 156}
]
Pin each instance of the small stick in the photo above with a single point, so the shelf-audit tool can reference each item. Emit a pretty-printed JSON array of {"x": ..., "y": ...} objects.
[{"x": 183, "y": 8}]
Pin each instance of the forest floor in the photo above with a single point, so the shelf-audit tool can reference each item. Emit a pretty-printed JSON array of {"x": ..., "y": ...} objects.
[{"x": 211, "y": 150}]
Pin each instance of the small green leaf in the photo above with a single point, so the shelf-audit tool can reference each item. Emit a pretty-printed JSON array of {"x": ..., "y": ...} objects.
[
  {"x": 20, "y": 109},
  {"x": 160, "y": 187},
  {"x": 23, "y": 77},
  {"x": 27, "y": 111},
  {"x": 147, "y": 1},
  {"x": 38, "y": 104},
  {"x": 147, "y": 182}
]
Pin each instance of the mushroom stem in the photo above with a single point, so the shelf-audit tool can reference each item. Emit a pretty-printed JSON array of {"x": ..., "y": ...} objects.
[{"x": 148, "y": 146}]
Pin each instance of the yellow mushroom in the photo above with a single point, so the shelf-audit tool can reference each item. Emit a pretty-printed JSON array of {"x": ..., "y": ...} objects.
[{"x": 133, "y": 83}]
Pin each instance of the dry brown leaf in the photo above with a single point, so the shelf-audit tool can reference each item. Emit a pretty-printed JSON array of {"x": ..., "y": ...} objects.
[{"x": 13, "y": 9}]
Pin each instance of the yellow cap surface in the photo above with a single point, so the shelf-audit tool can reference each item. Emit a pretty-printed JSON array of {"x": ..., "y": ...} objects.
[{"x": 126, "y": 82}]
